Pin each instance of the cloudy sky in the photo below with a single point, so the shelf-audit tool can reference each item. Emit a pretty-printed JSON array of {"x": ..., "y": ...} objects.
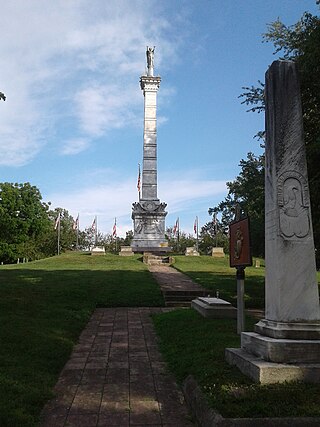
[{"x": 72, "y": 123}]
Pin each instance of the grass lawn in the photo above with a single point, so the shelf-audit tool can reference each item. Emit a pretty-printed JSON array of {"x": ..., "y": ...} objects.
[
  {"x": 215, "y": 274},
  {"x": 44, "y": 305},
  {"x": 194, "y": 345}
]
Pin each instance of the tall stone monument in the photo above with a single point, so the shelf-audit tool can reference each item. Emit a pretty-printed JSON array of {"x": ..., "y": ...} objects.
[
  {"x": 286, "y": 344},
  {"x": 149, "y": 213}
]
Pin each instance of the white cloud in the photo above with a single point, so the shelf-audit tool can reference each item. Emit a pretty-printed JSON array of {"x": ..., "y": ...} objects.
[
  {"x": 104, "y": 107},
  {"x": 75, "y": 146},
  {"x": 73, "y": 60},
  {"x": 112, "y": 197}
]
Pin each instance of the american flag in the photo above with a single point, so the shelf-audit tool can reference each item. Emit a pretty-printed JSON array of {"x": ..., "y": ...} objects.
[
  {"x": 214, "y": 219},
  {"x": 114, "y": 229},
  {"x": 56, "y": 224},
  {"x": 76, "y": 223},
  {"x": 176, "y": 227},
  {"x": 94, "y": 224},
  {"x": 195, "y": 226}
]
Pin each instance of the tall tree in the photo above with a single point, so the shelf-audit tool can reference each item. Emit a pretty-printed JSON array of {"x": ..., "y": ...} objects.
[
  {"x": 23, "y": 221},
  {"x": 300, "y": 42},
  {"x": 247, "y": 190}
]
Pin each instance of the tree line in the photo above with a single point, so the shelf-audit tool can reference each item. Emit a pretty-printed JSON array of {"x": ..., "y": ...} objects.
[
  {"x": 299, "y": 42},
  {"x": 27, "y": 229}
]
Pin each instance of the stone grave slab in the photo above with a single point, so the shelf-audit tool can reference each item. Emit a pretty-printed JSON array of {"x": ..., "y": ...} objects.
[{"x": 214, "y": 307}]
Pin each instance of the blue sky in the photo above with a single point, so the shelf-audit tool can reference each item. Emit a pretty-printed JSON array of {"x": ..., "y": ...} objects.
[{"x": 72, "y": 123}]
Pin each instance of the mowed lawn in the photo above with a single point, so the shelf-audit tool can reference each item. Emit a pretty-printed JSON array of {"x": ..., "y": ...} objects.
[
  {"x": 44, "y": 305},
  {"x": 194, "y": 345},
  {"x": 215, "y": 275}
]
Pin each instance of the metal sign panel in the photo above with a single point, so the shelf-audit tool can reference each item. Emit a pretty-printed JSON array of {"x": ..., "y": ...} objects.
[{"x": 239, "y": 244}]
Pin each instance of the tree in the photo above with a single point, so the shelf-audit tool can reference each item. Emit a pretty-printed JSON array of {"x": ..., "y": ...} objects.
[
  {"x": 300, "y": 42},
  {"x": 67, "y": 233},
  {"x": 247, "y": 190},
  {"x": 213, "y": 234},
  {"x": 179, "y": 245},
  {"x": 23, "y": 221}
]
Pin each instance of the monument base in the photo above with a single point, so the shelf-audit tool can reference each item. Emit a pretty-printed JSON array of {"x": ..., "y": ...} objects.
[
  {"x": 98, "y": 250},
  {"x": 269, "y": 360},
  {"x": 281, "y": 350},
  {"x": 149, "y": 226},
  {"x": 126, "y": 251},
  {"x": 265, "y": 372},
  {"x": 286, "y": 330},
  {"x": 214, "y": 307},
  {"x": 191, "y": 251},
  {"x": 218, "y": 253}
]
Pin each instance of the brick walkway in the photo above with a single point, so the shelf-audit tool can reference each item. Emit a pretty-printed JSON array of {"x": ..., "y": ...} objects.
[
  {"x": 169, "y": 279},
  {"x": 116, "y": 377}
]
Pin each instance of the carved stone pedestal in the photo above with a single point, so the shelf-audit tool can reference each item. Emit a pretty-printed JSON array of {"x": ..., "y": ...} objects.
[{"x": 149, "y": 227}]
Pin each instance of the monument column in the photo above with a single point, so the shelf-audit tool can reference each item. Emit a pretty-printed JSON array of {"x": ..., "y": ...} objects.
[
  {"x": 286, "y": 344},
  {"x": 150, "y": 86},
  {"x": 149, "y": 214}
]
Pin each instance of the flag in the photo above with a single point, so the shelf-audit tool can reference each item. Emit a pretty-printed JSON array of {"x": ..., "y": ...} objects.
[
  {"x": 176, "y": 227},
  {"x": 114, "y": 229},
  {"x": 214, "y": 219},
  {"x": 57, "y": 223},
  {"x": 195, "y": 226},
  {"x": 139, "y": 180},
  {"x": 75, "y": 225},
  {"x": 94, "y": 224}
]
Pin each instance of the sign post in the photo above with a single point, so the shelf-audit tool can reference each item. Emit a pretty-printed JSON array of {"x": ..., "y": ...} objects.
[{"x": 240, "y": 258}]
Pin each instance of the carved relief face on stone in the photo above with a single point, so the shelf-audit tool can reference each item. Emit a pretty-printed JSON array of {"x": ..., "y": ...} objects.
[{"x": 293, "y": 213}]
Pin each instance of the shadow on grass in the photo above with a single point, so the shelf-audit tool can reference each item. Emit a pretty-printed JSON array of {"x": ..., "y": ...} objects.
[
  {"x": 195, "y": 345},
  {"x": 42, "y": 312},
  {"x": 226, "y": 285}
]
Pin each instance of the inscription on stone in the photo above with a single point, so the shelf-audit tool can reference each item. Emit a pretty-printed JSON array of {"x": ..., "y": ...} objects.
[{"x": 293, "y": 211}]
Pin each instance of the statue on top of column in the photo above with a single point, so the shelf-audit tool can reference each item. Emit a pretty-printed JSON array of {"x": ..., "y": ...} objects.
[{"x": 150, "y": 60}]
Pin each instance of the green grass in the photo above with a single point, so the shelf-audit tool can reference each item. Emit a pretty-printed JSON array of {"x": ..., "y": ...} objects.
[
  {"x": 44, "y": 306},
  {"x": 194, "y": 345},
  {"x": 215, "y": 274}
]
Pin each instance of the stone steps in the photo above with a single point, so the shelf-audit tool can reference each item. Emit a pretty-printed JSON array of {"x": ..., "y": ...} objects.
[{"x": 181, "y": 298}]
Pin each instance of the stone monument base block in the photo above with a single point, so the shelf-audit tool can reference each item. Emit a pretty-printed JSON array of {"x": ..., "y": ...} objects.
[
  {"x": 214, "y": 307},
  {"x": 191, "y": 251},
  {"x": 265, "y": 372},
  {"x": 126, "y": 251},
  {"x": 218, "y": 253},
  {"x": 294, "y": 331},
  {"x": 281, "y": 350},
  {"x": 98, "y": 250},
  {"x": 152, "y": 249}
]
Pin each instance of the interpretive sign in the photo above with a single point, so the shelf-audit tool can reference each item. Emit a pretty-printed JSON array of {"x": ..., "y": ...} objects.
[{"x": 239, "y": 244}]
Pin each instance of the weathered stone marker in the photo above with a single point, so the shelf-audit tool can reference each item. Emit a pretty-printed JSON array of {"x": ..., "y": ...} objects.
[
  {"x": 290, "y": 332},
  {"x": 291, "y": 285}
]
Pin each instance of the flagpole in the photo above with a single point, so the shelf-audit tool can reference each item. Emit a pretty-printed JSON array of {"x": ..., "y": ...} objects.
[
  {"x": 77, "y": 242},
  {"x": 216, "y": 228},
  {"x": 59, "y": 234},
  {"x": 178, "y": 239},
  {"x": 197, "y": 234},
  {"x": 115, "y": 225},
  {"x": 96, "y": 232}
]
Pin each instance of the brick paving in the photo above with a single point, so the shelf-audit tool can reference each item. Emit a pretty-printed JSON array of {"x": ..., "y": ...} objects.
[
  {"x": 169, "y": 279},
  {"x": 116, "y": 377}
]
